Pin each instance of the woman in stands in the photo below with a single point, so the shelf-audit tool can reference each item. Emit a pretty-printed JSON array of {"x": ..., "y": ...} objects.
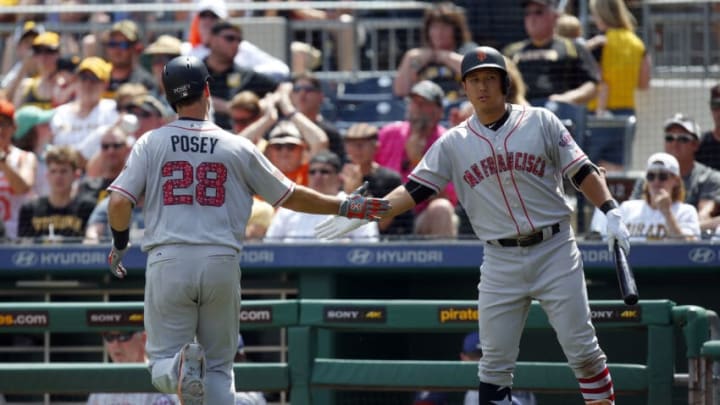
[{"x": 446, "y": 39}]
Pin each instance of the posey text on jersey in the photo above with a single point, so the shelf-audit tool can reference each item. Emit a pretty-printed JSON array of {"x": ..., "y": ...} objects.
[
  {"x": 518, "y": 161},
  {"x": 202, "y": 144}
]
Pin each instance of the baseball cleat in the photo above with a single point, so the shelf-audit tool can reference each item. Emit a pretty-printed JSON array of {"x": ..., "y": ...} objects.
[{"x": 191, "y": 385}]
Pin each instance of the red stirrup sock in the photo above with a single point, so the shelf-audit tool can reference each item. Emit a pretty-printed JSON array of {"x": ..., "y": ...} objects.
[{"x": 598, "y": 389}]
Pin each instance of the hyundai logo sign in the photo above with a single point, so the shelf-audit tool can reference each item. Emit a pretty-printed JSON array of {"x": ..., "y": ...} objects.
[
  {"x": 360, "y": 256},
  {"x": 25, "y": 258},
  {"x": 701, "y": 255}
]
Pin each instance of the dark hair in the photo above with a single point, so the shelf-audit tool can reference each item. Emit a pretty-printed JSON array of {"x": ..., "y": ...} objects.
[
  {"x": 451, "y": 14},
  {"x": 327, "y": 157}
]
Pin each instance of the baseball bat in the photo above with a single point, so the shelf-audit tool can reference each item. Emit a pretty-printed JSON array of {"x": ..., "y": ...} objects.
[{"x": 626, "y": 278}]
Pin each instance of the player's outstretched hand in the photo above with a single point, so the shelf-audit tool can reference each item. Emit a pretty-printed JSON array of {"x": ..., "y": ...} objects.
[
  {"x": 357, "y": 206},
  {"x": 617, "y": 231},
  {"x": 115, "y": 261},
  {"x": 335, "y": 227}
]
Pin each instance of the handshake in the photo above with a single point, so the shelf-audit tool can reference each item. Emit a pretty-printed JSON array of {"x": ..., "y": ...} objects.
[{"x": 356, "y": 211}]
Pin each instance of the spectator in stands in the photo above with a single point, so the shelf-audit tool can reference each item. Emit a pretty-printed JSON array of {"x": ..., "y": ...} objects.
[
  {"x": 150, "y": 112},
  {"x": 246, "y": 108},
  {"x": 624, "y": 62},
  {"x": 17, "y": 171},
  {"x": 128, "y": 347},
  {"x": 288, "y": 148},
  {"x": 74, "y": 121},
  {"x": 305, "y": 50},
  {"x": 446, "y": 39},
  {"x": 324, "y": 177},
  {"x": 661, "y": 213},
  {"x": 33, "y": 135},
  {"x": 569, "y": 26},
  {"x": 307, "y": 96},
  {"x": 123, "y": 48},
  {"x": 38, "y": 89},
  {"x": 228, "y": 78},
  {"x": 553, "y": 67},
  {"x": 702, "y": 183},
  {"x": 278, "y": 108},
  {"x": 161, "y": 52},
  {"x": 248, "y": 56},
  {"x": 58, "y": 214},
  {"x": 18, "y": 51},
  {"x": 361, "y": 141},
  {"x": 708, "y": 152},
  {"x": 471, "y": 351},
  {"x": 402, "y": 145},
  {"x": 115, "y": 148},
  {"x": 65, "y": 85}
]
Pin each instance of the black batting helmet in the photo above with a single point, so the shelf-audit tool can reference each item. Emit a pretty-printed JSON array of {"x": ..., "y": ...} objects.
[
  {"x": 184, "y": 77},
  {"x": 485, "y": 57}
]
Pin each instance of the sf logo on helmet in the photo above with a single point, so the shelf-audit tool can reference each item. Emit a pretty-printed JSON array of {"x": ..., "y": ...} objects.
[{"x": 481, "y": 55}]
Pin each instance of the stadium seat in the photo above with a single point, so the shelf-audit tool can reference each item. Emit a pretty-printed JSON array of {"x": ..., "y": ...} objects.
[
  {"x": 370, "y": 89},
  {"x": 618, "y": 127},
  {"x": 376, "y": 112}
]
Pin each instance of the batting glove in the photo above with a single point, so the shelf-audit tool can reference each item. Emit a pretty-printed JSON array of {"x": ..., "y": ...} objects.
[
  {"x": 617, "y": 231},
  {"x": 356, "y": 206},
  {"x": 115, "y": 261}
]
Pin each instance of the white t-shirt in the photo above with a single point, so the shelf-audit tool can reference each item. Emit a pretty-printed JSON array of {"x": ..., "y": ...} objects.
[
  {"x": 292, "y": 226},
  {"x": 69, "y": 129},
  {"x": 647, "y": 223}
]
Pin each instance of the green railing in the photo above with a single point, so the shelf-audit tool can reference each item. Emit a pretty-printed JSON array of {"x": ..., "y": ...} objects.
[{"x": 313, "y": 365}]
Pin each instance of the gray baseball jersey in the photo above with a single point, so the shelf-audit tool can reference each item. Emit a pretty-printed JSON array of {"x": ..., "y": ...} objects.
[
  {"x": 198, "y": 182},
  {"x": 509, "y": 181}
]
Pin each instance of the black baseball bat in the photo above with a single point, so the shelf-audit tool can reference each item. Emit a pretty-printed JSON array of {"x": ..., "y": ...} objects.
[{"x": 626, "y": 278}]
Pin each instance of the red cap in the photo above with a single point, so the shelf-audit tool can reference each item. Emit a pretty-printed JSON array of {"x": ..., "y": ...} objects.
[{"x": 7, "y": 109}]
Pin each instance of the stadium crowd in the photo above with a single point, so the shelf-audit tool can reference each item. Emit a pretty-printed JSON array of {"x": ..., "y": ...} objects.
[{"x": 72, "y": 105}]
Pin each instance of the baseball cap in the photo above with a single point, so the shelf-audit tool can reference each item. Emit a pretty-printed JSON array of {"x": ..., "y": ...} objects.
[
  {"x": 428, "y": 90},
  {"x": 67, "y": 63},
  {"x": 549, "y": 3},
  {"x": 97, "y": 66},
  {"x": 218, "y": 7},
  {"x": 29, "y": 116},
  {"x": 471, "y": 343},
  {"x": 47, "y": 39},
  {"x": 7, "y": 109},
  {"x": 164, "y": 45},
  {"x": 430, "y": 398},
  {"x": 285, "y": 132},
  {"x": 28, "y": 28},
  {"x": 361, "y": 130},
  {"x": 715, "y": 95},
  {"x": 327, "y": 157},
  {"x": 127, "y": 28},
  {"x": 149, "y": 103},
  {"x": 663, "y": 161},
  {"x": 685, "y": 122}
]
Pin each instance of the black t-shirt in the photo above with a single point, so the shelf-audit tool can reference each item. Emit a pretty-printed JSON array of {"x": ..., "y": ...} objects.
[
  {"x": 138, "y": 75},
  {"x": 708, "y": 152},
  {"x": 335, "y": 140},
  {"x": 561, "y": 65},
  {"x": 93, "y": 188},
  {"x": 69, "y": 221},
  {"x": 234, "y": 80}
]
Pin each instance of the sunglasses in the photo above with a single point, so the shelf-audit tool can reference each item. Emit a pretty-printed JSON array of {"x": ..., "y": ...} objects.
[
  {"x": 309, "y": 89},
  {"x": 139, "y": 113},
  {"x": 288, "y": 146},
  {"x": 324, "y": 172},
  {"x": 661, "y": 176},
  {"x": 537, "y": 12},
  {"x": 119, "y": 337},
  {"x": 231, "y": 38},
  {"x": 89, "y": 77},
  {"x": 106, "y": 146},
  {"x": 124, "y": 45},
  {"x": 207, "y": 14},
  {"x": 243, "y": 121},
  {"x": 44, "y": 51},
  {"x": 5, "y": 125},
  {"x": 679, "y": 138}
]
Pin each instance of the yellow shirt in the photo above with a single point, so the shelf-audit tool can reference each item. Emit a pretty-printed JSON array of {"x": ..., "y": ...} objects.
[{"x": 622, "y": 57}]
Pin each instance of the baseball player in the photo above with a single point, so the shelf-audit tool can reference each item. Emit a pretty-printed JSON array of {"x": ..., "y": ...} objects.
[
  {"x": 199, "y": 181},
  {"x": 507, "y": 162}
]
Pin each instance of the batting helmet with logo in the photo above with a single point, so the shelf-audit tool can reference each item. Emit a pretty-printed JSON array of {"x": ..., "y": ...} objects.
[
  {"x": 184, "y": 77},
  {"x": 485, "y": 57}
]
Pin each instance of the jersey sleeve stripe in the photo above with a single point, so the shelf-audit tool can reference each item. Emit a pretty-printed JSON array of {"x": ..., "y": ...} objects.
[
  {"x": 285, "y": 196},
  {"x": 579, "y": 158},
  {"x": 424, "y": 182},
  {"x": 124, "y": 192}
]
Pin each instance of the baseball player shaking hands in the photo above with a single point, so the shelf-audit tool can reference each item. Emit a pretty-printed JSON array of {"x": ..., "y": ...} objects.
[
  {"x": 507, "y": 163},
  {"x": 199, "y": 181}
]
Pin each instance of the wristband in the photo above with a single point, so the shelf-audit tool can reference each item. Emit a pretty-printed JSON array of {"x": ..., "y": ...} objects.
[
  {"x": 120, "y": 238},
  {"x": 608, "y": 205}
]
